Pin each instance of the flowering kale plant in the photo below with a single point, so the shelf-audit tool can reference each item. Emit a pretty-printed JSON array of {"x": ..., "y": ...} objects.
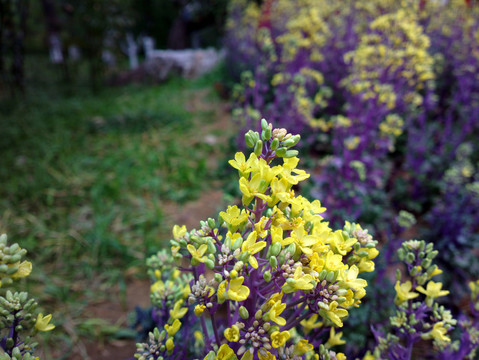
[
  {"x": 266, "y": 280},
  {"x": 19, "y": 317}
]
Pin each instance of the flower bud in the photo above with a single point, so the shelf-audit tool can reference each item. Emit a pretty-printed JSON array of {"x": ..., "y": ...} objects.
[
  {"x": 281, "y": 152},
  {"x": 275, "y": 249},
  {"x": 291, "y": 153},
  {"x": 211, "y": 247},
  {"x": 258, "y": 148},
  {"x": 264, "y": 124},
  {"x": 243, "y": 312},
  {"x": 249, "y": 140},
  {"x": 218, "y": 277},
  {"x": 210, "y": 264},
  {"x": 267, "y": 276},
  {"x": 330, "y": 277},
  {"x": 237, "y": 244},
  {"x": 211, "y": 223},
  {"x": 273, "y": 261},
  {"x": 322, "y": 275},
  {"x": 274, "y": 144},
  {"x": 410, "y": 258}
]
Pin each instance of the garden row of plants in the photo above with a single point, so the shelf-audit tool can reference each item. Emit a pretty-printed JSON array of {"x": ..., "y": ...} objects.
[{"x": 385, "y": 97}]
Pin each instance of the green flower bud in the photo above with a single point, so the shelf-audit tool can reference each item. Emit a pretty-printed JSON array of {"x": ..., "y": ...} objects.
[
  {"x": 264, "y": 124},
  {"x": 237, "y": 244},
  {"x": 281, "y": 152},
  {"x": 357, "y": 246},
  {"x": 414, "y": 271},
  {"x": 274, "y": 144},
  {"x": 258, "y": 314},
  {"x": 432, "y": 254},
  {"x": 227, "y": 242},
  {"x": 245, "y": 256},
  {"x": 218, "y": 277},
  {"x": 273, "y": 261},
  {"x": 410, "y": 258},
  {"x": 267, "y": 276},
  {"x": 174, "y": 243},
  {"x": 292, "y": 141},
  {"x": 363, "y": 254},
  {"x": 249, "y": 140},
  {"x": 291, "y": 153},
  {"x": 401, "y": 254},
  {"x": 275, "y": 249},
  {"x": 211, "y": 223},
  {"x": 330, "y": 277},
  {"x": 291, "y": 249},
  {"x": 210, "y": 264},
  {"x": 426, "y": 263},
  {"x": 291, "y": 281},
  {"x": 322, "y": 275},
  {"x": 341, "y": 299},
  {"x": 258, "y": 148},
  {"x": 211, "y": 247},
  {"x": 243, "y": 312}
]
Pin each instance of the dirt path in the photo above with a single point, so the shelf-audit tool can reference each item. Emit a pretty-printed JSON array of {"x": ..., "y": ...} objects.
[{"x": 111, "y": 310}]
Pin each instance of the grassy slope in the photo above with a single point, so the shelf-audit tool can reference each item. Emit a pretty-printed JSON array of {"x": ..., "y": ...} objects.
[{"x": 85, "y": 179}]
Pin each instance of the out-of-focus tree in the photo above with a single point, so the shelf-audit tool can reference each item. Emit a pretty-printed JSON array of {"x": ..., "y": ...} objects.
[{"x": 13, "y": 28}]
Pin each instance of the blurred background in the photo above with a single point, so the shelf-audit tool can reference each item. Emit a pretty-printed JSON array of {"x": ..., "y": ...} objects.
[{"x": 118, "y": 117}]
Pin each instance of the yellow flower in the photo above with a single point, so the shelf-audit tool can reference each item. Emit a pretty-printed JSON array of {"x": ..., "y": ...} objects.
[
  {"x": 334, "y": 313},
  {"x": 340, "y": 244},
  {"x": 253, "y": 247},
  {"x": 298, "y": 282},
  {"x": 173, "y": 328},
  {"x": 234, "y": 217},
  {"x": 24, "y": 269},
  {"x": 333, "y": 262},
  {"x": 232, "y": 334},
  {"x": 334, "y": 339},
  {"x": 274, "y": 312},
  {"x": 237, "y": 291},
  {"x": 438, "y": 333},
  {"x": 43, "y": 323},
  {"x": 244, "y": 167},
  {"x": 311, "y": 324},
  {"x": 197, "y": 254},
  {"x": 179, "y": 232},
  {"x": 158, "y": 286},
  {"x": 263, "y": 354},
  {"x": 199, "y": 309},
  {"x": 279, "y": 338},
  {"x": 403, "y": 292},
  {"x": 169, "y": 344},
  {"x": 178, "y": 312},
  {"x": 432, "y": 291},
  {"x": 350, "y": 278},
  {"x": 225, "y": 353},
  {"x": 302, "y": 347},
  {"x": 303, "y": 240}
]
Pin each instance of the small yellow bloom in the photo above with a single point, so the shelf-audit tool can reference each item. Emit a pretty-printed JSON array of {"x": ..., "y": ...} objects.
[
  {"x": 43, "y": 323},
  {"x": 311, "y": 324},
  {"x": 179, "y": 232},
  {"x": 264, "y": 354},
  {"x": 253, "y": 247},
  {"x": 199, "y": 309},
  {"x": 438, "y": 333},
  {"x": 178, "y": 312},
  {"x": 24, "y": 269},
  {"x": 237, "y": 291},
  {"x": 173, "y": 328},
  {"x": 432, "y": 291},
  {"x": 301, "y": 282},
  {"x": 403, "y": 292},
  {"x": 225, "y": 353},
  {"x": 279, "y": 338},
  {"x": 274, "y": 312},
  {"x": 334, "y": 339},
  {"x": 170, "y": 344},
  {"x": 197, "y": 254},
  {"x": 302, "y": 347},
  {"x": 232, "y": 334}
]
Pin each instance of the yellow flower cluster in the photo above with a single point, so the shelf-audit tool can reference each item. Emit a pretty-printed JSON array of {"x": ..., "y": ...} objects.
[
  {"x": 277, "y": 256},
  {"x": 394, "y": 48}
]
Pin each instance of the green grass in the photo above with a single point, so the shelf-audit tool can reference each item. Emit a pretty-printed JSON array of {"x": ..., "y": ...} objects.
[{"x": 84, "y": 179}]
